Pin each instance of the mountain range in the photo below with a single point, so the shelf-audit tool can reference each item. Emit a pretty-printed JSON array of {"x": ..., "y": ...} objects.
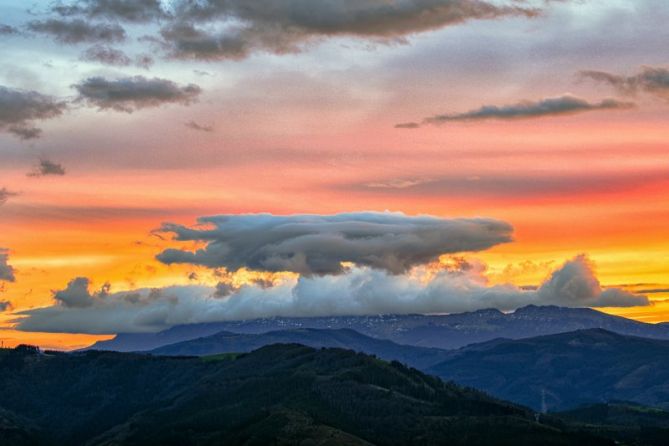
[
  {"x": 433, "y": 331},
  {"x": 226, "y": 342},
  {"x": 562, "y": 371}
]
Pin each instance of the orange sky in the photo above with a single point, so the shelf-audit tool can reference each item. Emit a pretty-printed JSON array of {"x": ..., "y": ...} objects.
[{"x": 313, "y": 132}]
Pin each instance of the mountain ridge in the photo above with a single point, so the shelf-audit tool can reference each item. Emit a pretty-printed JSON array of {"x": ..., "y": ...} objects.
[{"x": 437, "y": 331}]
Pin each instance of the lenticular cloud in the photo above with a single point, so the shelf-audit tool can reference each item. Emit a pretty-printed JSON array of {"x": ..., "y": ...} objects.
[{"x": 320, "y": 244}]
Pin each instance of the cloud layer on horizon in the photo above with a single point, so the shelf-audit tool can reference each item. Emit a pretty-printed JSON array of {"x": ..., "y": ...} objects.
[
  {"x": 360, "y": 291},
  {"x": 319, "y": 244}
]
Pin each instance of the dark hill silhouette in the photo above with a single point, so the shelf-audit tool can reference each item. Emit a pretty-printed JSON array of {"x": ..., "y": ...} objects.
[{"x": 280, "y": 394}]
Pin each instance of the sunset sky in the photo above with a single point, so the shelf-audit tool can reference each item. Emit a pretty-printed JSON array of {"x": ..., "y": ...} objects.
[{"x": 514, "y": 144}]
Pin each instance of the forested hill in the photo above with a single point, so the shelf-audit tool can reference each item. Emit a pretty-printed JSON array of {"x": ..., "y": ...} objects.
[{"x": 283, "y": 394}]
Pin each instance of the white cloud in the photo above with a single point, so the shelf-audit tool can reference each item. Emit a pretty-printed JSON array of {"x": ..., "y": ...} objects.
[{"x": 361, "y": 290}]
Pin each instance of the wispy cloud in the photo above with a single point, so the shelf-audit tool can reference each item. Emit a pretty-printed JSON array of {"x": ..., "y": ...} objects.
[
  {"x": 651, "y": 80},
  {"x": 46, "y": 167},
  {"x": 558, "y": 106},
  {"x": 5, "y": 194},
  {"x": 199, "y": 127}
]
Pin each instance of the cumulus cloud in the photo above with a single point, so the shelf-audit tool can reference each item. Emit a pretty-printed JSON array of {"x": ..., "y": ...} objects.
[
  {"x": 135, "y": 11},
  {"x": 78, "y": 31},
  {"x": 360, "y": 291},
  {"x": 319, "y": 244},
  {"x": 133, "y": 93},
  {"x": 558, "y": 106},
  {"x": 651, "y": 80},
  {"x": 46, "y": 167},
  {"x": 19, "y": 108},
  {"x": 6, "y": 270},
  {"x": 215, "y": 30},
  {"x": 77, "y": 294}
]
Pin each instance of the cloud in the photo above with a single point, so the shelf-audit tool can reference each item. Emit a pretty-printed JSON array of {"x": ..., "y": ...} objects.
[
  {"x": 133, "y": 93},
  {"x": 199, "y": 127},
  {"x": 106, "y": 55},
  {"x": 234, "y": 29},
  {"x": 78, "y": 31},
  {"x": 5, "y": 306},
  {"x": 558, "y": 106},
  {"x": 18, "y": 108},
  {"x": 135, "y": 11},
  {"x": 46, "y": 167},
  {"x": 318, "y": 244},
  {"x": 651, "y": 80},
  {"x": 407, "y": 125},
  {"x": 575, "y": 284},
  {"x": 6, "y": 30},
  {"x": 5, "y": 194},
  {"x": 77, "y": 294},
  {"x": 6, "y": 270},
  {"x": 360, "y": 291},
  {"x": 511, "y": 184}
]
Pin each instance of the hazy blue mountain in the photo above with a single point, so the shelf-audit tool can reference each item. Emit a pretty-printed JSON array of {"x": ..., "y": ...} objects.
[
  {"x": 439, "y": 331},
  {"x": 280, "y": 394},
  {"x": 226, "y": 342},
  {"x": 566, "y": 370}
]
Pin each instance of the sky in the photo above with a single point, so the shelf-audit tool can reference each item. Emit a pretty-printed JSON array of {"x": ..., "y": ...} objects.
[{"x": 189, "y": 161}]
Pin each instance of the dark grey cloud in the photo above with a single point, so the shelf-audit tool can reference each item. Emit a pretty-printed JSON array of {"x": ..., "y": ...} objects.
[
  {"x": 135, "y": 11},
  {"x": 199, "y": 127},
  {"x": 651, "y": 80},
  {"x": 77, "y": 294},
  {"x": 5, "y": 306},
  {"x": 563, "y": 105},
  {"x": 19, "y": 108},
  {"x": 133, "y": 93},
  {"x": 6, "y": 270},
  {"x": 46, "y": 167},
  {"x": 233, "y": 29},
  {"x": 106, "y": 55},
  {"x": 78, "y": 31},
  {"x": 5, "y": 194},
  {"x": 359, "y": 291},
  {"x": 318, "y": 244},
  {"x": 6, "y": 30}
]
